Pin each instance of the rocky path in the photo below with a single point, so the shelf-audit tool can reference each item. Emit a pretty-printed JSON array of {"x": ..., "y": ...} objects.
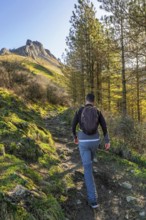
[{"x": 108, "y": 177}]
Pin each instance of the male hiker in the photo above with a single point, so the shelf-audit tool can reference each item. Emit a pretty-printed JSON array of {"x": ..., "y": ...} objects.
[{"x": 89, "y": 118}]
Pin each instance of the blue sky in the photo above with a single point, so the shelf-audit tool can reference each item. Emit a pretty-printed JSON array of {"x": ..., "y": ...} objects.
[{"x": 46, "y": 21}]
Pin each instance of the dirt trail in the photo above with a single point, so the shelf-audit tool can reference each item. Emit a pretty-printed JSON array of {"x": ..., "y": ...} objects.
[{"x": 111, "y": 196}]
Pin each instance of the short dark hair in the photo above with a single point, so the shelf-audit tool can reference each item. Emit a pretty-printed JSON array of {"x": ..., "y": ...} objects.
[{"x": 90, "y": 97}]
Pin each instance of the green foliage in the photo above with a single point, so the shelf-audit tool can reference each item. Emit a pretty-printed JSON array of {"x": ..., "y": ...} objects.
[
  {"x": 134, "y": 170},
  {"x": 127, "y": 139},
  {"x": 45, "y": 208},
  {"x": 67, "y": 115},
  {"x": 108, "y": 58},
  {"x": 37, "y": 68},
  {"x": 26, "y": 147},
  {"x": 86, "y": 54},
  {"x": 11, "y": 170},
  {"x": 122, "y": 127},
  {"x": 19, "y": 77},
  {"x": 48, "y": 160},
  {"x": 2, "y": 150}
]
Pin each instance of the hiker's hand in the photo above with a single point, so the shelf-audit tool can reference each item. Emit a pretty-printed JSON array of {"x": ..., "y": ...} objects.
[
  {"x": 107, "y": 146},
  {"x": 76, "y": 140}
]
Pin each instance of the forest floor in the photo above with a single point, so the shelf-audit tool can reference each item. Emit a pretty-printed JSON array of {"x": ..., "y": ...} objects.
[{"x": 121, "y": 185}]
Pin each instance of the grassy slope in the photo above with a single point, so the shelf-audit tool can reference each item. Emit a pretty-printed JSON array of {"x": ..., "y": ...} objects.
[
  {"x": 39, "y": 67},
  {"x": 29, "y": 160}
]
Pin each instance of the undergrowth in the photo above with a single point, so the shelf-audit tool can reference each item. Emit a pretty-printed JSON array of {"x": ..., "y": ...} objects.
[{"x": 26, "y": 151}]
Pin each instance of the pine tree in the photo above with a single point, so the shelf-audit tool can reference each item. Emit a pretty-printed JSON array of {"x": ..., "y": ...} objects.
[
  {"x": 118, "y": 19},
  {"x": 86, "y": 41}
]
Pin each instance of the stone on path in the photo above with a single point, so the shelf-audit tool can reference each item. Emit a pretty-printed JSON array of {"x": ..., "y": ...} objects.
[
  {"x": 78, "y": 202},
  {"x": 142, "y": 214},
  {"x": 130, "y": 198},
  {"x": 126, "y": 185}
]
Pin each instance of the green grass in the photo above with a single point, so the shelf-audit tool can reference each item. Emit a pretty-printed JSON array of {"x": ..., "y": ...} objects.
[
  {"x": 49, "y": 70},
  {"x": 37, "y": 68},
  {"x": 121, "y": 165},
  {"x": 13, "y": 172},
  {"x": 118, "y": 147},
  {"x": 27, "y": 148},
  {"x": 28, "y": 157}
]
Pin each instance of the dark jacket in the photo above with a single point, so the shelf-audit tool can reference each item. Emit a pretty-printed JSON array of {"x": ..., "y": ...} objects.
[{"x": 101, "y": 121}]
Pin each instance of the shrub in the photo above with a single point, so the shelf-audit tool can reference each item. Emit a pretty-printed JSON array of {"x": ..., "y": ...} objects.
[
  {"x": 22, "y": 78},
  {"x": 56, "y": 95},
  {"x": 138, "y": 138},
  {"x": 29, "y": 86},
  {"x": 4, "y": 81},
  {"x": 36, "y": 92},
  {"x": 128, "y": 138},
  {"x": 122, "y": 127}
]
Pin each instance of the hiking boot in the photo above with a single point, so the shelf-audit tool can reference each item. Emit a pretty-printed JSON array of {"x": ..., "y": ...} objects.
[{"x": 93, "y": 205}]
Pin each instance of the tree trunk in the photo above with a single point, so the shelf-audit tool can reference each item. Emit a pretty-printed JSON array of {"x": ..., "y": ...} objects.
[
  {"x": 99, "y": 85},
  {"x": 137, "y": 90},
  {"x": 109, "y": 94},
  {"x": 124, "y": 100}
]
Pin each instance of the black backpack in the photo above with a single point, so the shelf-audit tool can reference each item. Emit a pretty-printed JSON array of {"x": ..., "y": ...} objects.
[{"x": 89, "y": 120}]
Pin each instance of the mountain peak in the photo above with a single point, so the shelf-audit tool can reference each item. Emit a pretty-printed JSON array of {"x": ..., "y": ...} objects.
[
  {"x": 33, "y": 49},
  {"x": 30, "y": 43}
]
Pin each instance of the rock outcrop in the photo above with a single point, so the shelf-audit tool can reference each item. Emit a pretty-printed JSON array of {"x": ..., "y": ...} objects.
[
  {"x": 33, "y": 49},
  {"x": 4, "y": 51}
]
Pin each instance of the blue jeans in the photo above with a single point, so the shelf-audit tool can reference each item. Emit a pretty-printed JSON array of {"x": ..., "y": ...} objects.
[{"x": 87, "y": 152}]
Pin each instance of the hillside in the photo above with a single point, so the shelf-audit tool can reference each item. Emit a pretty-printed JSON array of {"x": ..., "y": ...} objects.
[
  {"x": 30, "y": 187},
  {"x": 33, "y": 79},
  {"x": 36, "y": 59},
  {"x": 38, "y": 67}
]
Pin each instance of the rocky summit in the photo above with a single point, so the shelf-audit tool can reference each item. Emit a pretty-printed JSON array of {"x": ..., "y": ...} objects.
[{"x": 33, "y": 49}]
